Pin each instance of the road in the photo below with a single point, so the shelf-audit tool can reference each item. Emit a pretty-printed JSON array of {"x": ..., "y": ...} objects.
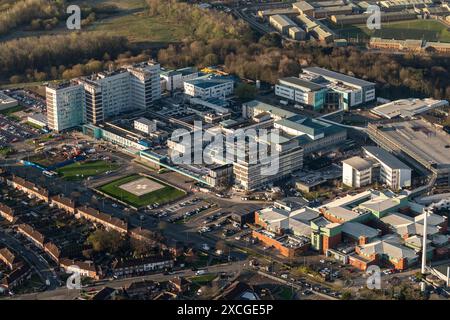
[
  {"x": 69, "y": 294},
  {"x": 41, "y": 266}
]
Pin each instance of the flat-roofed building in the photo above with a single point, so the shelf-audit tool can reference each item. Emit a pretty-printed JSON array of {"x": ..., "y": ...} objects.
[
  {"x": 408, "y": 107},
  {"x": 174, "y": 79},
  {"x": 38, "y": 119},
  {"x": 282, "y": 23},
  {"x": 65, "y": 104},
  {"x": 396, "y": 5},
  {"x": 356, "y": 172},
  {"x": 145, "y": 125},
  {"x": 419, "y": 142},
  {"x": 312, "y": 135},
  {"x": 304, "y": 7},
  {"x": 324, "y": 12},
  {"x": 359, "y": 232},
  {"x": 297, "y": 33},
  {"x": 302, "y": 91},
  {"x": 440, "y": 47},
  {"x": 208, "y": 86},
  {"x": 352, "y": 91},
  {"x": 7, "y": 102},
  {"x": 348, "y": 19},
  {"x": 325, "y": 234},
  {"x": 393, "y": 172},
  {"x": 265, "y": 14}
]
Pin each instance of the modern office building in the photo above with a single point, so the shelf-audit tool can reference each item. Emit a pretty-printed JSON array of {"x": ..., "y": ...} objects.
[
  {"x": 7, "y": 102},
  {"x": 174, "y": 79},
  {"x": 393, "y": 172},
  {"x": 420, "y": 143},
  {"x": 209, "y": 86},
  {"x": 304, "y": 92},
  {"x": 65, "y": 104},
  {"x": 102, "y": 95},
  {"x": 251, "y": 176},
  {"x": 350, "y": 91},
  {"x": 356, "y": 172},
  {"x": 144, "y": 125},
  {"x": 145, "y": 86},
  {"x": 378, "y": 165}
]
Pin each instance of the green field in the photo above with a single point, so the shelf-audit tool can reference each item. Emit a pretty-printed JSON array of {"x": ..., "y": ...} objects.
[
  {"x": 82, "y": 170},
  {"x": 133, "y": 23},
  {"x": 164, "y": 195},
  {"x": 430, "y": 30}
]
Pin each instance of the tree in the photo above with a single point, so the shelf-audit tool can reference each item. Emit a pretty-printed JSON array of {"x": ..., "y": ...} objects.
[
  {"x": 346, "y": 295},
  {"x": 245, "y": 91},
  {"x": 109, "y": 241},
  {"x": 272, "y": 39},
  {"x": 16, "y": 79},
  {"x": 211, "y": 59}
]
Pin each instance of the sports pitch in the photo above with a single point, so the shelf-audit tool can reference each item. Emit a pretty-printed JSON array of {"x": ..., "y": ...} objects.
[
  {"x": 430, "y": 30},
  {"x": 139, "y": 191}
]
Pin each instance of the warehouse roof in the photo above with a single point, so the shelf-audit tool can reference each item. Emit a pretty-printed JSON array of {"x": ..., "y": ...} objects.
[
  {"x": 390, "y": 247},
  {"x": 356, "y": 230}
]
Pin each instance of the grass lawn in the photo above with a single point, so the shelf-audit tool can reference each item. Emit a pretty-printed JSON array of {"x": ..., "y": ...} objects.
[
  {"x": 203, "y": 279},
  {"x": 430, "y": 30},
  {"x": 138, "y": 27},
  {"x": 83, "y": 169},
  {"x": 5, "y": 151},
  {"x": 286, "y": 293},
  {"x": 163, "y": 195}
]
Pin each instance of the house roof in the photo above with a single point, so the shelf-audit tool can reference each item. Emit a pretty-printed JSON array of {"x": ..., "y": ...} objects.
[
  {"x": 141, "y": 261},
  {"x": 8, "y": 255}
]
